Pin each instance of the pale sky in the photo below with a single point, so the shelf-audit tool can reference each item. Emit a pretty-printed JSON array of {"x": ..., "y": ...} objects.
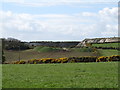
[{"x": 58, "y": 20}]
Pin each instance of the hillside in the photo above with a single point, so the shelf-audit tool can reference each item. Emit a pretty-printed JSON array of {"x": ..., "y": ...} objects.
[
  {"x": 46, "y": 49},
  {"x": 98, "y": 40},
  {"x": 114, "y": 45},
  {"x": 26, "y": 45},
  {"x": 54, "y": 44}
]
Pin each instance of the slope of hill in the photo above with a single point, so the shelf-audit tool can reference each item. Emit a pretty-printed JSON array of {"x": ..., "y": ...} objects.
[
  {"x": 46, "y": 49},
  {"x": 98, "y": 40},
  {"x": 114, "y": 45}
]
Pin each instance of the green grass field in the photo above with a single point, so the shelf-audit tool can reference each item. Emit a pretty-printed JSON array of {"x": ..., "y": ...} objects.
[
  {"x": 70, "y": 75},
  {"x": 108, "y": 52},
  {"x": 82, "y": 49},
  {"x": 46, "y": 49},
  {"x": 106, "y": 45}
]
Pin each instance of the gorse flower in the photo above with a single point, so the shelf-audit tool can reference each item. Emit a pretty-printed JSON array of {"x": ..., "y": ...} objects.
[{"x": 71, "y": 60}]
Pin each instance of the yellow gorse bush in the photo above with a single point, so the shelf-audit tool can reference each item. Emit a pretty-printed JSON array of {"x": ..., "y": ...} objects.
[
  {"x": 19, "y": 62},
  {"x": 102, "y": 59},
  {"x": 114, "y": 58},
  {"x": 71, "y": 60},
  {"x": 63, "y": 60}
]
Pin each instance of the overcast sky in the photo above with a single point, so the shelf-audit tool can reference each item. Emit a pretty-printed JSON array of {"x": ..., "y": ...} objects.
[{"x": 56, "y": 20}]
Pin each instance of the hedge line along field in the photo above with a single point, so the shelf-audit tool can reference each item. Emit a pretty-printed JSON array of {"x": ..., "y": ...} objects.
[
  {"x": 68, "y": 75},
  {"x": 69, "y": 60}
]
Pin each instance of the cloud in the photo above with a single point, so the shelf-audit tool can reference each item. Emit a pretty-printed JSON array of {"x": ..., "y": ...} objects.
[
  {"x": 108, "y": 14},
  {"x": 40, "y": 3},
  {"x": 60, "y": 1},
  {"x": 59, "y": 26},
  {"x": 89, "y": 14},
  {"x": 111, "y": 30}
]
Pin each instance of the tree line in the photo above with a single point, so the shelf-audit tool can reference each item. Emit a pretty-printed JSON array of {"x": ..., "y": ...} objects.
[{"x": 14, "y": 44}]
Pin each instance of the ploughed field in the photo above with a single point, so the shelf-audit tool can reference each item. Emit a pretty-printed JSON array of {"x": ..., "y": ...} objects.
[
  {"x": 51, "y": 52},
  {"x": 39, "y": 53},
  {"x": 68, "y": 75}
]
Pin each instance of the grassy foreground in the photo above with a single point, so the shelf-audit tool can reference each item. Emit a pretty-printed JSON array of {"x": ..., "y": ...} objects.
[{"x": 70, "y": 75}]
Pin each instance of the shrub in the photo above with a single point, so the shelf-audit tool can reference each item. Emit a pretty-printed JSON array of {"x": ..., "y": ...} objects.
[
  {"x": 17, "y": 62},
  {"x": 34, "y": 61},
  {"x": 71, "y": 60},
  {"x": 114, "y": 58},
  {"x": 31, "y": 61},
  {"x": 64, "y": 60},
  {"x": 46, "y": 60},
  {"x": 82, "y": 59},
  {"x": 102, "y": 59},
  {"x": 20, "y": 62},
  {"x": 54, "y": 61},
  {"x": 58, "y": 61},
  {"x": 90, "y": 59}
]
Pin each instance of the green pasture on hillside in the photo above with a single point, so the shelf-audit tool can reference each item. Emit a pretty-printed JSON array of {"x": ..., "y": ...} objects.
[
  {"x": 116, "y": 45},
  {"x": 69, "y": 75},
  {"x": 89, "y": 49},
  {"x": 108, "y": 52},
  {"x": 46, "y": 49}
]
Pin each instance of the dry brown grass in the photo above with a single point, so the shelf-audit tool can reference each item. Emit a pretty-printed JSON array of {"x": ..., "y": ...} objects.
[{"x": 31, "y": 54}]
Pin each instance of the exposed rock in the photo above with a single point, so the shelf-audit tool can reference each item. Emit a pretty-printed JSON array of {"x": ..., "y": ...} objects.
[
  {"x": 112, "y": 40},
  {"x": 98, "y": 40}
]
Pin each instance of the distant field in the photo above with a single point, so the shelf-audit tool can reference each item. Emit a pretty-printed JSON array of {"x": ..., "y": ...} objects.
[
  {"x": 82, "y": 49},
  {"x": 71, "y": 75},
  {"x": 46, "y": 49},
  {"x": 49, "y": 52},
  {"x": 108, "y": 52},
  {"x": 107, "y": 45},
  {"x": 33, "y": 54}
]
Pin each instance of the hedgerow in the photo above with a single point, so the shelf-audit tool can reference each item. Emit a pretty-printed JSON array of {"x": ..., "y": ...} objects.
[
  {"x": 102, "y": 59},
  {"x": 114, "y": 58},
  {"x": 70, "y": 60}
]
